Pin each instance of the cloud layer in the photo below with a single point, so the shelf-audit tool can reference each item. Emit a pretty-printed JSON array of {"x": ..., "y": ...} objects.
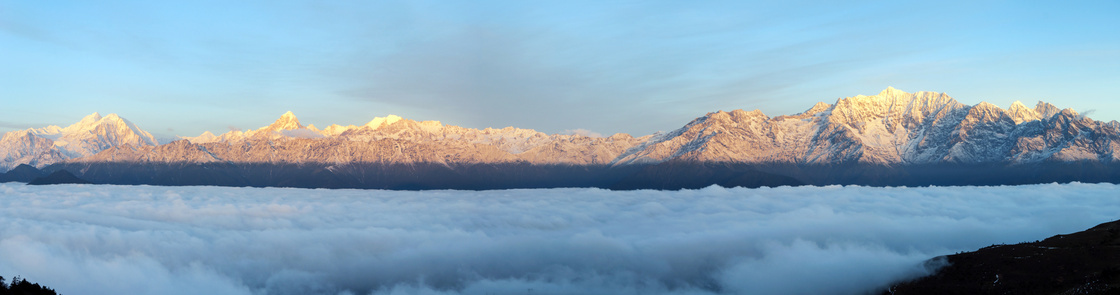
[{"x": 803, "y": 240}]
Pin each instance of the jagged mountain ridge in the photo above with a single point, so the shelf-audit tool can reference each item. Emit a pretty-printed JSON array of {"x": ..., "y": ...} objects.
[
  {"x": 515, "y": 141},
  {"x": 403, "y": 142},
  {"x": 891, "y": 128},
  {"x": 40, "y": 147},
  {"x": 888, "y": 129}
]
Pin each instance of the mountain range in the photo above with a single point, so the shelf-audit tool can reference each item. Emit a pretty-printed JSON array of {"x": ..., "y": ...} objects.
[{"x": 892, "y": 138}]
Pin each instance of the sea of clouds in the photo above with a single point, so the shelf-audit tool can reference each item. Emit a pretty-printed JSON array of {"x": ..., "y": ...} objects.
[{"x": 102, "y": 239}]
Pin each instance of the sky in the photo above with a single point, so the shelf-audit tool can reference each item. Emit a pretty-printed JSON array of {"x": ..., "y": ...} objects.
[
  {"x": 107, "y": 239},
  {"x": 184, "y": 67}
]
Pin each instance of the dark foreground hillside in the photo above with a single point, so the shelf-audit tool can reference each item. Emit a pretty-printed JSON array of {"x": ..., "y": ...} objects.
[
  {"x": 1086, "y": 262},
  {"x": 23, "y": 287}
]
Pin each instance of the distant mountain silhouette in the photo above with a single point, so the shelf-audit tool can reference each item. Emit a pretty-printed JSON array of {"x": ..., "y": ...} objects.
[{"x": 22, "y": 173}]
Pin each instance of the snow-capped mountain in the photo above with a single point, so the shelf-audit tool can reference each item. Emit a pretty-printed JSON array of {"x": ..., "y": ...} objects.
[
  {"x": 43, "y": 146},
  {"x": 891, "y": 128},
  {"x": 24, "y": 147},
  {"x": 892, "y": 138},
  {"x": 390, "y": 139}
]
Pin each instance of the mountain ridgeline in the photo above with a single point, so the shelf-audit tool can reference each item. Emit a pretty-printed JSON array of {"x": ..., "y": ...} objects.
[{"x": 893, "y": 138}]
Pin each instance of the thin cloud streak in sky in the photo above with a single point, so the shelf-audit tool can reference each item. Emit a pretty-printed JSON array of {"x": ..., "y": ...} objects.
[{"x": 803, "y": 240}]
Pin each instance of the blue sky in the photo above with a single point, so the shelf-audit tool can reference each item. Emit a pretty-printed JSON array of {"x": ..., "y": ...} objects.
[{"x": 180, "y": 68}]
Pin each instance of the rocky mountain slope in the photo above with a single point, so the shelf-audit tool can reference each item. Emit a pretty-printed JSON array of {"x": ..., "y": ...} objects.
[{"x": 40, "y": 147}]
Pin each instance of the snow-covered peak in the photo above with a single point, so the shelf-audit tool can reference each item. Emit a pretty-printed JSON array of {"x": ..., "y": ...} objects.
[
  {"x": 335, "y": 129},
  {"x": 862, "y": 108},
  {"x": 116, "y": 120},
  {"x": 52, "y": 131},
  {"x": 816, "y": 109},
  {"x": 383, "y": 121},
  {"x": 986, "y": 112},
  {"x": 107, "y": 127},
  {"x": 92, "y": 134},
  {"x": 987, "y": 106},
  {"x": 144, "y": 135},
  {"x": 287, "y": 121},
  {"x": 1046, "y": 110},
  {"x": 95, "y": 133},
  {"x": 280, "y": 128},
  {"x": 885, "y": 98},
  {"x": 205, "y": 137},
  {"x": 89, "y": 119},
  {"x": 742, "y": 113},
  {"x": 1020, "y": 113},
  {"x": 86, "y": 123},
  {"x": 819, "y": 109},
  {"x": 897, "y": 105},
  {"x": 233, "y": 136},
  {"x": 891, "y": 91},
  {"x": 1068, "y": 116}
]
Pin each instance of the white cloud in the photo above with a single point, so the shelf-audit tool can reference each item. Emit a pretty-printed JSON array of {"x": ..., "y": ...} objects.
[{"x": 802, "y": 240}]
